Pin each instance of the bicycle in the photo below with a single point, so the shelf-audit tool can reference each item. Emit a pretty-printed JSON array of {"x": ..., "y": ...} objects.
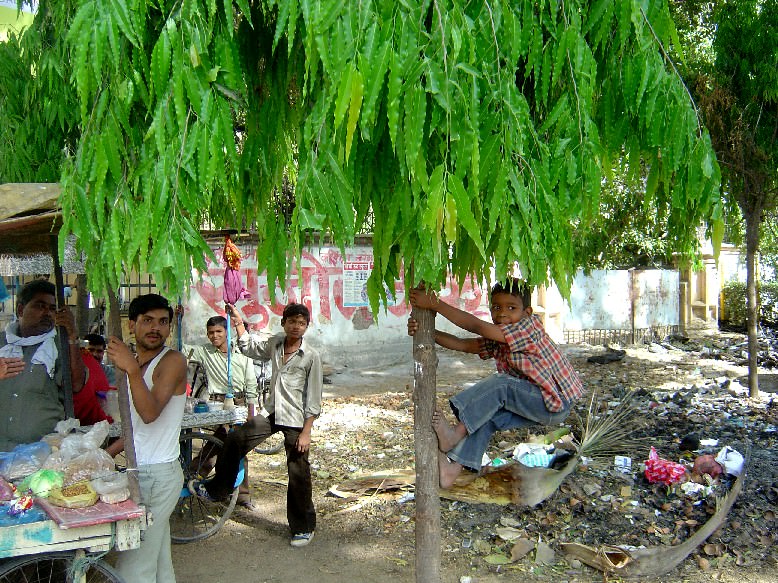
[{"x": 195, "y": 518}]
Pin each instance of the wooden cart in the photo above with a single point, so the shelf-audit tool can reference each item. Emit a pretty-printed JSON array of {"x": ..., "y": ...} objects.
[{"x": 68, "y": 545}]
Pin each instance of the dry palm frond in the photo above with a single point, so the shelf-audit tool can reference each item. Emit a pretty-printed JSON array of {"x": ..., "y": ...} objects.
[{"x": 611, "y": 433}]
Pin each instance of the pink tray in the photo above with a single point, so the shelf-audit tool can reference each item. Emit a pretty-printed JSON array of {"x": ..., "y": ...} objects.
[{"x": 99, "y": 513}]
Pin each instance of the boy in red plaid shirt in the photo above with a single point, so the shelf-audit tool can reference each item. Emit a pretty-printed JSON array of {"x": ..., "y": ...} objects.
[{"x": 534, "y": 384}]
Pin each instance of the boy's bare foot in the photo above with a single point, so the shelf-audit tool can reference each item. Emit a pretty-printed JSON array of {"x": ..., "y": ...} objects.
[
  {"x": 449, "y": 471},
  {"x": 448, "y": 435}
]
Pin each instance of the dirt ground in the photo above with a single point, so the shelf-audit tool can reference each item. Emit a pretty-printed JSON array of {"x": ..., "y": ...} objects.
[{"x": 367, "y": 427}]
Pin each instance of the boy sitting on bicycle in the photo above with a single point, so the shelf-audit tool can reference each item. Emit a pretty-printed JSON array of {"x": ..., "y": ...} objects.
[
  {"x": 240, "y": 379},
  {"x": 292, "y": 406}
]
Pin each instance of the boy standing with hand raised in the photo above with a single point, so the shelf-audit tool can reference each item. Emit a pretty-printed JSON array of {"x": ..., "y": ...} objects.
[{"x": 292, "y": 406}]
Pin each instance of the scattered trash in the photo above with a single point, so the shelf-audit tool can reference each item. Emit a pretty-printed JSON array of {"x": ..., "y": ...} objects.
[
  {"x": 606, "y": 558},
  {"x": 707, "y": 465},
  {"x": 623, "y": 464},
  {"x": 709, "y": 442},
  {"x": 509, "y": 533},
  {"x": 690, "y": 443},
  {"x": 692, "y": 488},
  {"x": 731, "y": 461},
  {"x": 407, "y": 497},
  {"x": 662, "y": 470},
  {"x": 533, "y": 455},
  {"x": 608, "y": 357},
  {"x": 536, "y": 460}
]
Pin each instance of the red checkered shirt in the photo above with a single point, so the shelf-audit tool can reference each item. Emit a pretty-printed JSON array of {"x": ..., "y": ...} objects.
[{"x": 529, "y": 353}]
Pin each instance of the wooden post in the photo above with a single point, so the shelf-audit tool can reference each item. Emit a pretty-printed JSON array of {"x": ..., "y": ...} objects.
[
  {"x": 115, "y": 329},
  {"x": 62, "y": 333},
  {"x": 82, "y": 305},
  {"x": 426, "y": 445}
]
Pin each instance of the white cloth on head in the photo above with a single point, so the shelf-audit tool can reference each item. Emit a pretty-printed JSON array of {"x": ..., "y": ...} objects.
[{"x": 47, "y": 351}]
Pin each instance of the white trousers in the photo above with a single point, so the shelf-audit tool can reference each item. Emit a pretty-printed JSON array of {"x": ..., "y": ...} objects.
[{"x": 160, "y": 487}]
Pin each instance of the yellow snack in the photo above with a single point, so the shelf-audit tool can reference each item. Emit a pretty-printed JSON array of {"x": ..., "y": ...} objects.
[{"x": 78, "y": 495}]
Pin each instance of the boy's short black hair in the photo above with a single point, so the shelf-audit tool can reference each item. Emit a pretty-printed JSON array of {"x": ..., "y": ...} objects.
[
  {"x": 296, "y": 310},
  {"x": 216, "y": 321},
  {"x": 146, "y": 303},
  {"x": 514, "y": 287},
  {"x": 95, "y": 340},
  {"x": 33, "y": 288}
]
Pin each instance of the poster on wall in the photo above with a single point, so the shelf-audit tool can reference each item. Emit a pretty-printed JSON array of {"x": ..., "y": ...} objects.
[{"x": 357, "y": 265}]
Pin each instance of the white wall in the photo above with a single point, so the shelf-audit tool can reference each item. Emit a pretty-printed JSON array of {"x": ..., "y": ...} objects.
[{"x": 623, "y": 299}]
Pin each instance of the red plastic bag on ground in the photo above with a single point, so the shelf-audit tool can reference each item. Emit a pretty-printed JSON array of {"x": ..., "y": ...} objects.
[{"x": 661, "y": 470}]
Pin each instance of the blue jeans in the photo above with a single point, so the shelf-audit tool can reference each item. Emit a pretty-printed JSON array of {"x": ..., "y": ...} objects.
[{"x": 497, "y": 403}]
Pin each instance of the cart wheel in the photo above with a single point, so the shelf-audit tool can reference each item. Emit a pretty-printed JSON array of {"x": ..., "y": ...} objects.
[
  {"x": 195, "y": 518},
  {"x": 56, "y": 568},
  {"x": 271, "y": 445}
]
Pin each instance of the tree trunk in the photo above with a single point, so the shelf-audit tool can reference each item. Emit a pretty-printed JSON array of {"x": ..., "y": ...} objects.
[
  {"x": 114, "y": 324},
  {"x": 82, "y": 306},
  {"x": 115, "y": 329},
  {"x": 426, "y": 444},
  {"x": 753, "y": 220}
]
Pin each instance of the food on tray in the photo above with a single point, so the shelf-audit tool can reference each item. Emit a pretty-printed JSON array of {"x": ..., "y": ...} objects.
[{"x": 79, "y": 495}]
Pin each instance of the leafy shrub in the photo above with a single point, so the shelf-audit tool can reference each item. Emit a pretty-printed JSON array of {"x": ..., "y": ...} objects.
[{"x": 734, "y": 303}]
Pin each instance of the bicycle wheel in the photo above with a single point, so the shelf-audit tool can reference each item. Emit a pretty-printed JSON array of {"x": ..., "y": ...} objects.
[
  {"x": 271, "y": 445},
  {"x": 57, "y": 568},
  {"x": 195, "y": 518}
]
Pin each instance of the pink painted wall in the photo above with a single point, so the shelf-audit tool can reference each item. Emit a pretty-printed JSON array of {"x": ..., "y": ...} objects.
[{"x": 318, "y": 282}]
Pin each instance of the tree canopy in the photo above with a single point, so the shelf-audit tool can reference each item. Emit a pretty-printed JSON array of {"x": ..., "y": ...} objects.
[{"x": 478, "y": 133}]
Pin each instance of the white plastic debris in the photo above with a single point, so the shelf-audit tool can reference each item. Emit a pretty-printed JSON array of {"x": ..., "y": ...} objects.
[
  {"x": 623, "y": 464},
  {"x": 731, "y": 460},
  {"x": 691, "y": 488},
  {"x": 533, "y": 455}
]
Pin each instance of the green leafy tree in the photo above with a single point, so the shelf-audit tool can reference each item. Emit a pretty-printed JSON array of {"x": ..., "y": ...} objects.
[
  {"x": 629, "y": 231},
  {"x": 476, "y": 133},
  {"x": 37, "y": 131},
  {"x": 735, "y": 81}
]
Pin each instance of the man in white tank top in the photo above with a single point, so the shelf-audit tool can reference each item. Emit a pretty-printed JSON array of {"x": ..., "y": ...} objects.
[{"x": 156, "y": 377}]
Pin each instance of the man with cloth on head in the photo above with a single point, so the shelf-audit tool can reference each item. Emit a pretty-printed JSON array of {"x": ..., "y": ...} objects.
[{"x": 31, "y": 397}]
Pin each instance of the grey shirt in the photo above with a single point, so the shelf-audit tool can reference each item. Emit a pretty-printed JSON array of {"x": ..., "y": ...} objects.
[
  {"x": 31, "y": 403},
  {"x": 296, "y": 385}
]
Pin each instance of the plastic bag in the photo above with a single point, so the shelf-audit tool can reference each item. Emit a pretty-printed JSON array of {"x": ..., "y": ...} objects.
[
  {"x": 7, "y": 491},
  {"x": 42, "y": 482},
  {"x": 110, "y": 482},
  {"x": 661, "y": 470},
  {"x": 56, "y": 461},
  {"x": 54, "y": 440},
  {"x": 731, "y": 460},
  {"x": 116, "y": 496},
  {"x": 95, "y": 437},
  {"x": 77, "y": 444},
  {"x": 89, "y": 465},
  {"x": 65, "y": 426},
  {"x": 25, "y": 459}
]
